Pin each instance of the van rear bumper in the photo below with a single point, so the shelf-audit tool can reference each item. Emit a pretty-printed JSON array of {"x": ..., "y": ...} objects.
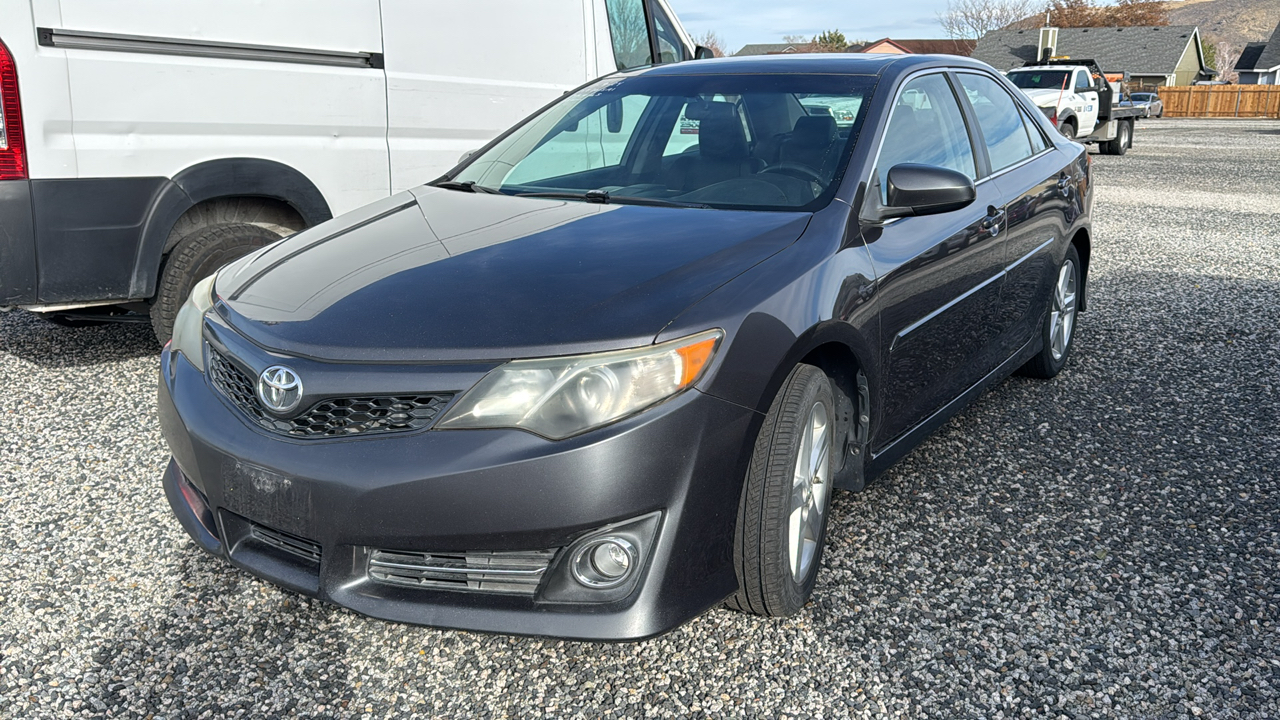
[
  {"x": 68, "y": 241},
  {"x": 17, "y": 244}
]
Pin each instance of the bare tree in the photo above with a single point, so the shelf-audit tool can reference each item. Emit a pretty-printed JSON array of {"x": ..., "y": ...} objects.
[
  {"x": 711, "y": 41},
  {"x": 1226, "y": 55},
  {"x": 971, "y": 19}
]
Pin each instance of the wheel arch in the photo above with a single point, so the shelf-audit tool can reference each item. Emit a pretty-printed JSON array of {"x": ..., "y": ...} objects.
[
  {"x": 836, "y": 349},
  {"x": 224, "y": 178},
  {"x": 1084, "y": 246}
]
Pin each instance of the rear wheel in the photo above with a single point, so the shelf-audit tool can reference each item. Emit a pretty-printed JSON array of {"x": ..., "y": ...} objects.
[
  {"x": 1058, "y": 331},
  {"x": 195, "y": 257},
  {"x": 1122, "y": 141},
  {"x": 782, "y": 513}
]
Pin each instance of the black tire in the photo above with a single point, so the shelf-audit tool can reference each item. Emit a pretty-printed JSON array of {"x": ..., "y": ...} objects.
[
  {"x": 1068, "y": 129},
  {"x": 1045, "y": 365},
  {"x": 1122, "y": 141},
  {"x": 767, "y": 584},
  {"x": 195, "y": 257}
]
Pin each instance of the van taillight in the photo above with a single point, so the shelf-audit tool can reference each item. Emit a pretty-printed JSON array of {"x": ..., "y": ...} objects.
[{"x": 13, "y": 151}]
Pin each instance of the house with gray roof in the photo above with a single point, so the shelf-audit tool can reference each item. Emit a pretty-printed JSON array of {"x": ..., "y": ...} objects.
[
  {"x": 1149, "y": 56},
  {"x": 1259, "y": 64},
  {"x": 769, "y": 49}
]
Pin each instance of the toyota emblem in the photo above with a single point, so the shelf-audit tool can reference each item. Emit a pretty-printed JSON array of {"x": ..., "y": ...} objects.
[{"x": 279, "y": 389}]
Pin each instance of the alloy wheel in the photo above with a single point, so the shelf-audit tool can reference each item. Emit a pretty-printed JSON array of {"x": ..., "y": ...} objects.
[
  {"x": 1063, "y": 314},
  {"x": 810, "y": 489}
]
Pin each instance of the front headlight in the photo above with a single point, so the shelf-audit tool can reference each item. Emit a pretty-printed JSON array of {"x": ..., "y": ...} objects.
[
  {"x": 188, "y": 327},
  {"x": 561, "y": 397}
]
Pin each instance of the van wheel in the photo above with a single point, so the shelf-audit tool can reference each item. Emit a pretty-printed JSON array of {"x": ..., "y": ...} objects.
[
  {"x": 197, "y": 256},
  {"x": 782, "y": 513}
]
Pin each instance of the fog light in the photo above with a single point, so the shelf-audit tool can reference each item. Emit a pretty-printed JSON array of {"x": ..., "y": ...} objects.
[{"x": 604, "y": 563}]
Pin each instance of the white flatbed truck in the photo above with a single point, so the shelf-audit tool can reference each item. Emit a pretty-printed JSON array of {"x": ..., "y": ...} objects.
[{"x": 1079, "y": 101}]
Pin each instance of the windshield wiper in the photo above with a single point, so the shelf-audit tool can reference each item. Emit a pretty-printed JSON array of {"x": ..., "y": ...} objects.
[
  {"x": 468, "y": 186},
  {"x": 603, "y": 197}
]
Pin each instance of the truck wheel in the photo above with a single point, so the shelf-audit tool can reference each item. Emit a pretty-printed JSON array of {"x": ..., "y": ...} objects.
[
  {"x": 1068, "y": 129},
  {"x": 195, "y": 257},
  {"x": 1121, "y": 142}
]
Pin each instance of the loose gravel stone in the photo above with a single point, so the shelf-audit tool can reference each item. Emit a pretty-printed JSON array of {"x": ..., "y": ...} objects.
[{"x": 1104, "y": 544}]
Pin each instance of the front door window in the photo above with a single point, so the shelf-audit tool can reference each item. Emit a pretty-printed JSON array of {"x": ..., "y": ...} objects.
[{"x": 630, "y": 30}]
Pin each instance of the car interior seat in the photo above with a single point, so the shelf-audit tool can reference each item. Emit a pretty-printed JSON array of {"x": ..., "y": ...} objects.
[{"x": 723, "y": 152}]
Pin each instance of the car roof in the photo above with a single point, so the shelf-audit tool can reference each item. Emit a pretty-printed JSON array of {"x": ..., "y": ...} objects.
[{"x": 814, "y": 63}]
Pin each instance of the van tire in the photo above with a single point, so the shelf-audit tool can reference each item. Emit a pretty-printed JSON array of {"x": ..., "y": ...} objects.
[{"x": 196, "y": 256}]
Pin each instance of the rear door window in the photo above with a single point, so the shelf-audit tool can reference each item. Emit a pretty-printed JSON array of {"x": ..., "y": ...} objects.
[{"x": 1002, "y": 124}]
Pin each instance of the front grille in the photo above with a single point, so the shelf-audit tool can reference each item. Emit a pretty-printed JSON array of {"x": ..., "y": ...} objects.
[
  {"x": 291, "y": 544},
  {"x": 516, "y": 573},
  {"x": 335, "y": 417}
]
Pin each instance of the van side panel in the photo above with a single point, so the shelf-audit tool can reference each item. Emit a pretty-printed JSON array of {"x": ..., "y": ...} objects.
[
  {"x": 144, "y": 115},
  {"x": 454, "y": 84}
]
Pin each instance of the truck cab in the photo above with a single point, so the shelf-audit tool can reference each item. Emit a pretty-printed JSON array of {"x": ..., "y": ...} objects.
[{"x": 1072, "y": 91}]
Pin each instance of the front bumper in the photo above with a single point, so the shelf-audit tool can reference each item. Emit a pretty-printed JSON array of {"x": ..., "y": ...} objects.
[{"x": 469, "y": 491}]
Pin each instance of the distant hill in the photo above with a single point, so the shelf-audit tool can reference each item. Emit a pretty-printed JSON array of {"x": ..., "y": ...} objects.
[{"x": 1235, "y": 21}]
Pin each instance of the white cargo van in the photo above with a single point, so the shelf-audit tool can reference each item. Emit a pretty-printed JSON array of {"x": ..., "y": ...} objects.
[{"x": 146, "y": 142}]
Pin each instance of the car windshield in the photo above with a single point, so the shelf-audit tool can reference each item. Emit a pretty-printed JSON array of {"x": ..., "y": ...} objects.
[
  {"x": 756, "y": 142},
  {"x": 1039, "y": 79}
]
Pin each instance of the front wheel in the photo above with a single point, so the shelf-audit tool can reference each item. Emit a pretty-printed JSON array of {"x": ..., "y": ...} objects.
[
  {"x": 782, "y": 513},
  {"x": 197, "y": 256},
  {"x": 1068, "y": 129},
  {"x": 1058, "y": 330}
]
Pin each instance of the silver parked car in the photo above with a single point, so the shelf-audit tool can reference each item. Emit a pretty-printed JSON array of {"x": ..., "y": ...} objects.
[{"x": 1148, "y": 102}]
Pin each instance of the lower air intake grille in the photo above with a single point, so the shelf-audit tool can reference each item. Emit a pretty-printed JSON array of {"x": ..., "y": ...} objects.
[
  {"x": 515, "y": 573},
  {"x": 291, "y": 544},
  {"x": 335, "y": 417}
]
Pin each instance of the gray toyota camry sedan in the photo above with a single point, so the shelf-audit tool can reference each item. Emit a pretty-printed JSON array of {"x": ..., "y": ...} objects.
[{"x": 607, "y": 372}]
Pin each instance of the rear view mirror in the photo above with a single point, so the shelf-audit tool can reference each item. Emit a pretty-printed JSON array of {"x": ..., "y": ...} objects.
[
  {"x": 928, "y": 190},
  {"x": 613, "y": 116}
]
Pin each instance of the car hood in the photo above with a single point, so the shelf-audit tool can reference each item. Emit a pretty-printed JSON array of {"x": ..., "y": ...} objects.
[
  {"x": 437, "y": 275},
  {"x": 1043, "y": 97}
]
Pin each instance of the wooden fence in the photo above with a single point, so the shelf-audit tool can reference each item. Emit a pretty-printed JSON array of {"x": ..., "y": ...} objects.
[{"x": 1222, "y": 101}]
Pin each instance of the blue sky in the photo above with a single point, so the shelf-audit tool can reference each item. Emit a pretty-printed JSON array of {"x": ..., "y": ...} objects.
[{"x": 755, "y": 21}]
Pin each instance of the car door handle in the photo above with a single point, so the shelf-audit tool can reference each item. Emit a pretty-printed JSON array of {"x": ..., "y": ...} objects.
[{"x": 991, "y": 223}]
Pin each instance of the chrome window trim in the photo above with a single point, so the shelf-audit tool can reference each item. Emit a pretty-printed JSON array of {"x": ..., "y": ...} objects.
[{"x": 151, "y": 45}]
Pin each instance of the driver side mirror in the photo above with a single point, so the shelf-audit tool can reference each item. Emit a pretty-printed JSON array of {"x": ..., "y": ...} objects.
[
  {"x": 914, "y": 189},
  {"x": 703, "y": 53}
]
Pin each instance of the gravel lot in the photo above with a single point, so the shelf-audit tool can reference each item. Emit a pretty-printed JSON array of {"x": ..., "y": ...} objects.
[{"x": 1102, "y": 545}]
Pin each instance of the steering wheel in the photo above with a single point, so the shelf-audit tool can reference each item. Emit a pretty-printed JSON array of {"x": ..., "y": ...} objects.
[{"x": 796, "y": 170}]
